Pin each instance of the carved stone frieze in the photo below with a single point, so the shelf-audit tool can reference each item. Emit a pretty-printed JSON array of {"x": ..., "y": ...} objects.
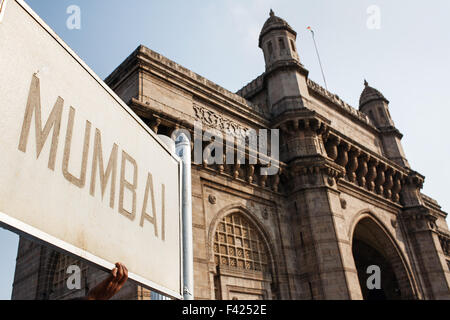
[{"x": 217, "y": 121}]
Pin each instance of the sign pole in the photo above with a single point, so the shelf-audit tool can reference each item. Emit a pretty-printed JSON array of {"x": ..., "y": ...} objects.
[{"x": 183, "y": 150}]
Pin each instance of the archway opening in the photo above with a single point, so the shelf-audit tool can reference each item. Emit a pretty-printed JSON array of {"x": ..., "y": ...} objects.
[
  {"x": 381, "y": 271},
  {"x": 366, "y": 256},
  {"x": 242, "y": 259}
]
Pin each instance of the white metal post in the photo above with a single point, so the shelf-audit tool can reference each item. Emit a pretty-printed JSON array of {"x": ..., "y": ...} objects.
[{"x": 183, "y": 150}]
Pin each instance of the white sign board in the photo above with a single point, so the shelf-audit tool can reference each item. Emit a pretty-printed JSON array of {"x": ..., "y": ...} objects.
[{"x": 78, "y": 169}]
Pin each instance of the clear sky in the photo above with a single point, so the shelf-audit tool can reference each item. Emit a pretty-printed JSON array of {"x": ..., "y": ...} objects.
[{"x": 407, "y": 59}]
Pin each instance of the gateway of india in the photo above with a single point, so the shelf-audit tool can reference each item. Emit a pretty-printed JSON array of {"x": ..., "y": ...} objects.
[{"x": 345, "y": 197}]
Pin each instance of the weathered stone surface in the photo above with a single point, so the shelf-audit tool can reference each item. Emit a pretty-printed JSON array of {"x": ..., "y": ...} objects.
[{"x": 344, "y": 186}]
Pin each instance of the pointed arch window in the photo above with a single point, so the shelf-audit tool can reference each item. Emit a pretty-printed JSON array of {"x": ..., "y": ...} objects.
[{"x": 238, "y": 244}]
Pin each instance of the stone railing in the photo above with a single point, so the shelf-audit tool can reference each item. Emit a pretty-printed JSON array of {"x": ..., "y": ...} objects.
[{"x": 368, "y": 170}]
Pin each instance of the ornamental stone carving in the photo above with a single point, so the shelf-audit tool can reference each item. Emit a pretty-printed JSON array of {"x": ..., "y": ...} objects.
[
  {"x": 217, "y": 121},
  {"x": 212, "y": 199}
]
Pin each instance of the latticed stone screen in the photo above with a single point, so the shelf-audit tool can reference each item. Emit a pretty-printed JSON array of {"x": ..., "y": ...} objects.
[{"x": 238, "y": 244}]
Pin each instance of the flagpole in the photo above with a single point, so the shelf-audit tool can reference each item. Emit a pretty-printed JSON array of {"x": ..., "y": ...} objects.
[{"x": 318, "y": 56}]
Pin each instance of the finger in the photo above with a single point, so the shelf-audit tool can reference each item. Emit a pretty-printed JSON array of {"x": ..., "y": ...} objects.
[
  {"x": 119, "y": 272},
  {"x": 124, "y": 278},
  {"x": 110, "y": 287},
  {"x": 114, "y": 272},
  {"x": 124, "y": 275}
]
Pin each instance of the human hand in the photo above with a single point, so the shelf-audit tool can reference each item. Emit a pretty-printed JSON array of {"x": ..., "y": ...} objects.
[{"x": 106, "y": 289}]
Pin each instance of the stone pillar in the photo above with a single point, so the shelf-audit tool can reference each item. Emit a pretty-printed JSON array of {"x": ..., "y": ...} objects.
[
  {"x": 324, "y": 250},
  {"x": 420, "y": 224},
  {"x": 316, "y": 160}
]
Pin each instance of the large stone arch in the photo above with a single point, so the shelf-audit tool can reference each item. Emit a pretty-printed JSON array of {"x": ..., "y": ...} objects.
[
  {"x": 254, "y": 222},
  {"x": 372, "y": 243}
]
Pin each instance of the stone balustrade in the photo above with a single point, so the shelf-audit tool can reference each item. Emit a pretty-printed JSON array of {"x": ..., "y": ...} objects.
[
  {"x": 249, "y": 171},
  {"x": 351, "y": 163},
  {"x": 368, "y": 170}
]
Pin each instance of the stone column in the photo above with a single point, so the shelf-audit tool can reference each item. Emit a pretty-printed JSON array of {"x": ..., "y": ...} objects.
[
  {"x": 325, "y": 266},
  {"x": 324, "y": 250},
  {"x": 420, "y": 224}
]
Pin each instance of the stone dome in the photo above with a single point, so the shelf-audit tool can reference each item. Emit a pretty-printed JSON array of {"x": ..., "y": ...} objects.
[
  {"x": 274, "y": 23},
  {"x": 370, "y": 94}
]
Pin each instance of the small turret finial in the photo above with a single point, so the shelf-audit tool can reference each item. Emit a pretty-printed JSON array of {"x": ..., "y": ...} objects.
[
  {"x": 366, "y": 83},
  {"x": 271, "y": 13}
]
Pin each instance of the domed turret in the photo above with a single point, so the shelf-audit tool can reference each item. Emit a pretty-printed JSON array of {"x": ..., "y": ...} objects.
[
  {"x": 275, "y": 23},
  {"x": 277, "y": 40},
  {"x": 375, "y": 105},
  {"x": 370, "y": 94},
  {"x": 285, "y": 77}
]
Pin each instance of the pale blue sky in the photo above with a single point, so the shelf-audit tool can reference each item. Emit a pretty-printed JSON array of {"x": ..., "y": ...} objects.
[{"x": 407, "y": 59}]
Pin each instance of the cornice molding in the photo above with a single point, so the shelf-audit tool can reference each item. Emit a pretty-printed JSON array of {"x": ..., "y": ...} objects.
[
  {"x": 367, "y": 196},
  {"x": 177, "y": 74},
  {"x": 341, "y": 105}
]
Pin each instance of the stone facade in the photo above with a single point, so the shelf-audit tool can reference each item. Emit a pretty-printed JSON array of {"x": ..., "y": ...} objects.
[{"x": 344, "y": 197}]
